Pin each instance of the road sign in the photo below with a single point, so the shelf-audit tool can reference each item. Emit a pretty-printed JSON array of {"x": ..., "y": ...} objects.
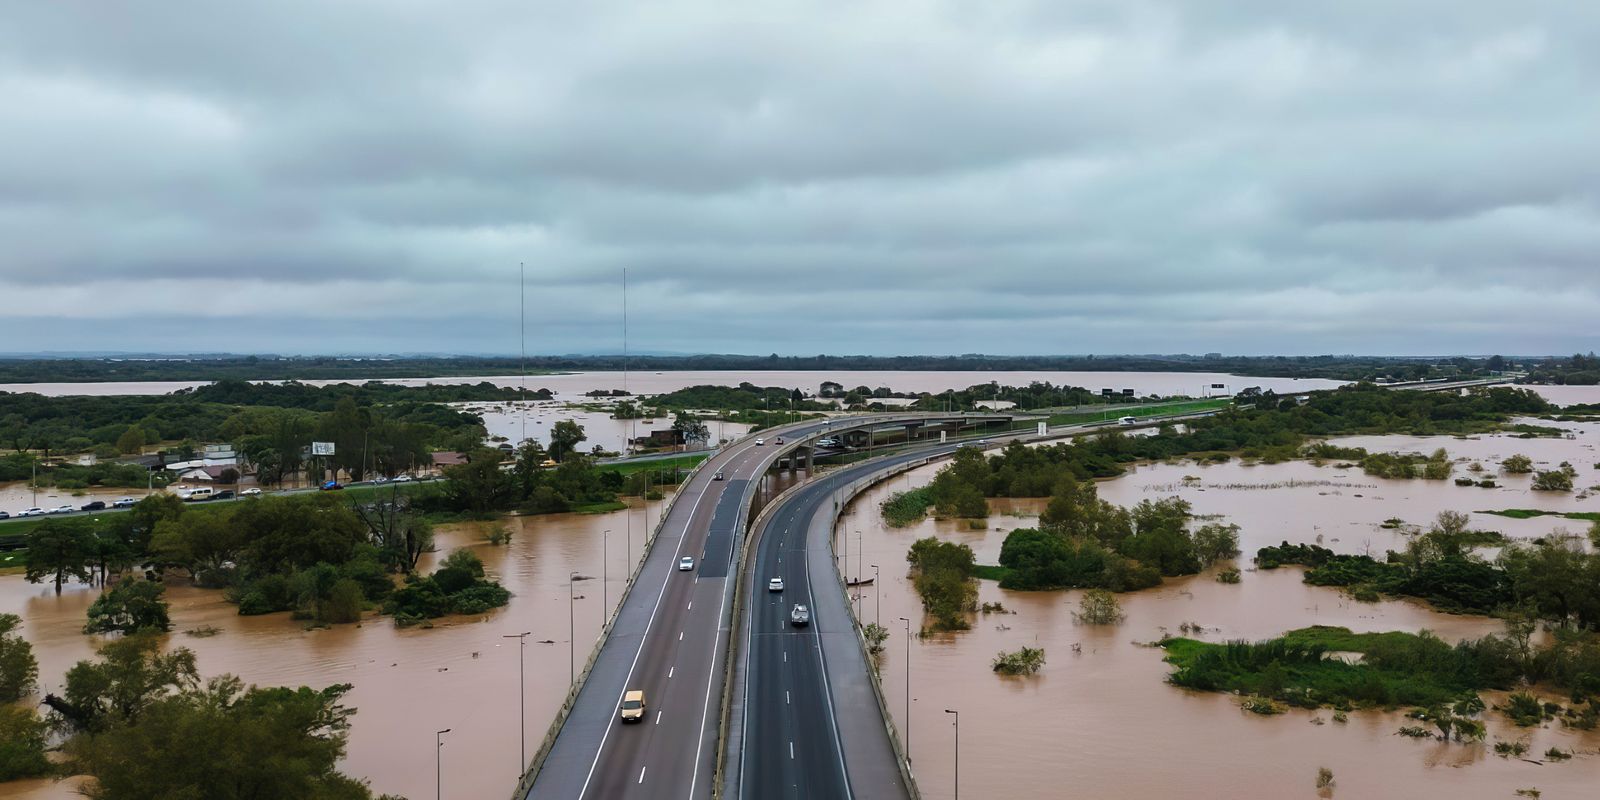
[{"x": 322, "y": 448}]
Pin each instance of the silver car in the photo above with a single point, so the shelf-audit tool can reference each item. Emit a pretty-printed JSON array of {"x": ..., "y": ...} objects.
[{"x": 800, "y": 616}]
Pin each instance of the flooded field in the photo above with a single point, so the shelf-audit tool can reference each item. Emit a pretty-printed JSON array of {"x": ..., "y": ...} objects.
[
  {"x": 407, "y": 683},
  {"x": 1101, "y": 722},
  {"x": 571, "y": 386}
]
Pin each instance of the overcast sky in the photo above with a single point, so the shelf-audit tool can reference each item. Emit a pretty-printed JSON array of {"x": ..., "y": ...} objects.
[{"x": 1250, "y": 176}]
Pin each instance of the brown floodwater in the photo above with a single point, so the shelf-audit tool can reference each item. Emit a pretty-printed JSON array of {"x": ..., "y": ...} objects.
[
  {"x": 406, "y": 683},
  {"x": 1101, "y": 721}
]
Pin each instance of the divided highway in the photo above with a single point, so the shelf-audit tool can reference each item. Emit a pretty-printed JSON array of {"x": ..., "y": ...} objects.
[{"x": 669, "y": 640}]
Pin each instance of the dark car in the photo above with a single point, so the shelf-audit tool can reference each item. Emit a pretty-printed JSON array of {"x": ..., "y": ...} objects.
[
  {"x": 225, "y": 494},
  {"x": 5, "y": 515},
  {"x": 93, "y": 505}
]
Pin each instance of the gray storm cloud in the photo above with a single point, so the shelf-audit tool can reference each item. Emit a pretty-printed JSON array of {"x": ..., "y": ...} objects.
[{"x": 1005, "y": 177}]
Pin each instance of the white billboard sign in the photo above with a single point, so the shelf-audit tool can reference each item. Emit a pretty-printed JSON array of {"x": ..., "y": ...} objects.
[{"x": 322, "y": 448}]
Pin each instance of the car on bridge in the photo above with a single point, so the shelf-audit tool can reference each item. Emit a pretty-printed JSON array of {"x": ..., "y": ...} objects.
[
  {"x": 800, "y": 616},
  {"x": 686, "y": 563},
  {"x": 775, "y": 585},
  {"x": 760, "y": 442},
  {"x": 632, "y": 706},
  {"x": 779, "y": 440},
  {"x": 717, "y": 476}
]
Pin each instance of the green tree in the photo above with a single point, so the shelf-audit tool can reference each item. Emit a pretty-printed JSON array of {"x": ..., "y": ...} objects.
[
  {"x": 287, "y": 533},
  {"x": 132, "y": 440},
  {"x": 131, "y": 606},
  {"x": 691, "y": 428},
  {"x": 18, "y": 668},
  {"x": 199, "y": 543},
  {"x": 224, "y": 742},
  {"x": 1517, "y": 464},
  {"x": 22, "y": 744},
  {"x": 132, "y": 673},
  {"x": 479, "y": 485},
  {"x": 57, "y": 551},
  {"x": 1216, "y": 542},
  {"x": 1098, "y": 607},
  {"x": 1553, "y": 481},
  {"x": 565, "y": 437}
]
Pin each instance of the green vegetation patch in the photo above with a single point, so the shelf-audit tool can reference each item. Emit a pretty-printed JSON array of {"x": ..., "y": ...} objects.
[{"x": 1530, "y": 513}]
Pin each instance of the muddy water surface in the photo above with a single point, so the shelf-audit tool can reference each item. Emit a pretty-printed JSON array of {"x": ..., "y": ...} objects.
[
  {"x": 407, "y": 683},
  {"x": 1099, "y": 721}
]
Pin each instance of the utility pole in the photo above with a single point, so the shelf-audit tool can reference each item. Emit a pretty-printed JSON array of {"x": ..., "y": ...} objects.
[
  {"x": 522, "y": 698},
  {"x": 605, "y": 596},
  {"x": 522, "y": 380},
  {"x": 572, "y": 631},
  {"x": 877, "y": 597}
]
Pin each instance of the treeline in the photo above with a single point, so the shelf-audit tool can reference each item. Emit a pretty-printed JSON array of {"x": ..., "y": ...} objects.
[
  {"x": 321, "y": 557},
  {"x": 1553, "y": 578},
  {"x": 271, "y": 367},
  {"x": 142, "y": 723},
  {"x": 1579, "y": 370},
  {"x": 745, "y": 396}
]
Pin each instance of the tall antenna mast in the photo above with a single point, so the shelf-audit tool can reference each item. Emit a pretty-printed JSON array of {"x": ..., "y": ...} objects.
[
  {"x": 522, "y": 316},
  {"x": 629, "y": 443}
]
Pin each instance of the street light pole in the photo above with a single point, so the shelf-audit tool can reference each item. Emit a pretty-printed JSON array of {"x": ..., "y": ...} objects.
[
  {"x": 877, "y": 597},
  {"x": 438, "y": 763},
  {"x": 908, "y": 687},
  {"x": 572, "y": 632},
  {"x": 958, "y": 753},
  {"x": 858, "y": 576},
  {"x": 522, "y": 698},
  {"x": 605, "y": 597}
]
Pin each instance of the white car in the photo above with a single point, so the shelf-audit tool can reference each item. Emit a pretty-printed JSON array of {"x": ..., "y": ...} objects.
[
  {"x": 126, "y": 502},
  {"x": 775, "y": 585},
  {"x": 685, "y": 564},
  {"x": 760, "y": 442},
  {"x": 254, "y": 491},
  {"x": 380, "y": 479},
  {"x": 32, "y": 512},
  {"x": 402, "y": 479},
  {"x": 63, "y": 510}
]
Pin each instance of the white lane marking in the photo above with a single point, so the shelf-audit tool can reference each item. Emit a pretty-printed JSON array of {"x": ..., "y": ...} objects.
[
  {"x": 786, "y": 700},
  {"x": 827, "y": 691},
  {"x": 658, "y": 717},
  {"x": 691, "y": 607},
  {"x": 680, "y": 636},
  {"x": 786, "y": 656},
  {"x": 791, "y": 754},
  {"x": 628, "y": 681},
  {"x": 705, "y": 711},
  {"x": 642, "y": 769},
  {"x": 671, "y": 670}
]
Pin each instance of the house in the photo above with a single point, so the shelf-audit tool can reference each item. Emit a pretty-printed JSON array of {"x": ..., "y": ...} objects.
[
  {"x": 666, "y": 437},
  {"x": 205, "y": 474},
  {"x": 448, "y": 459}
]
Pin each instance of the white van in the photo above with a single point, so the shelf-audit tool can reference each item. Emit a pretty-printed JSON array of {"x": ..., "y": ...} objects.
[
  {"x": 196, "y": 495},
  {"x": 1127, "y": 420}
]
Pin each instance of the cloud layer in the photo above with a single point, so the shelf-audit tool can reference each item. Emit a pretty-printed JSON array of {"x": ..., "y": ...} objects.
[{"x": 916, "y": 177}]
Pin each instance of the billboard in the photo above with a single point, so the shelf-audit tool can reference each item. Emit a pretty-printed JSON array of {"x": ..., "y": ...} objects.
[
  {"x": 1106, "y": 392},
  {"x": 1127, "y": 392},
  {"x": 1219, "y": 386},
  {"x": 322, "y": 448}
]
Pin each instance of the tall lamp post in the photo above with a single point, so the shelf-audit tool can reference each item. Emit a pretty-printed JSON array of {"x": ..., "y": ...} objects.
[
  {"x": 877, "y": 597},
  {"x": 522, "y": 698},
  {"x": 858, "y": 575},
  {"x": 907, "y": 716},
  {"x": 958, "y": 753},
  {"x": 438, "y": 763},
  {"x": 605, "y": 597},
  {"x": 572, "y": 631}
]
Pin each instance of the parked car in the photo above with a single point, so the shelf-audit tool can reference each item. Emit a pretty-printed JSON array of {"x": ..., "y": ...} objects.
[
  {"x": 93, "y": 505},
  {"x": 5, "y": 515},
  {"x": 332, "y": 486},
  {"x": 800, "y": 616},
  {"x": 126, "y": 502},
  {"x": 685, "y": 564},
  {"x": 403, "y": 479},
  {"x": 775, "y": 585},
  {"x": 33, "y": 512},
  {"x": 63, "y": 510},
  {"x": 254, "y": 491},
  {"x": 380, "y": 479},
  {"x": 225, "y": 494}
]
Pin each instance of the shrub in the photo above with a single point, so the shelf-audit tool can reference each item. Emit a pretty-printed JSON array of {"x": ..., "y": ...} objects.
[
  {"x": 1524, "y": 709},
  {"x": 22, "y": 743},
  {"x": 344, "y": 603},
  {"x": 129, "y": 607},
  {"x": 18, "y": 668},
  {"x": 1098, "y": 607},
  {"x": 1517, "y": 465},
  {"x": 1324, "y": 777},
  {"x": 1025, "y": 661},
  {"x": 1552, "y": 481},
  {"x": 1229, "y": 575}
]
